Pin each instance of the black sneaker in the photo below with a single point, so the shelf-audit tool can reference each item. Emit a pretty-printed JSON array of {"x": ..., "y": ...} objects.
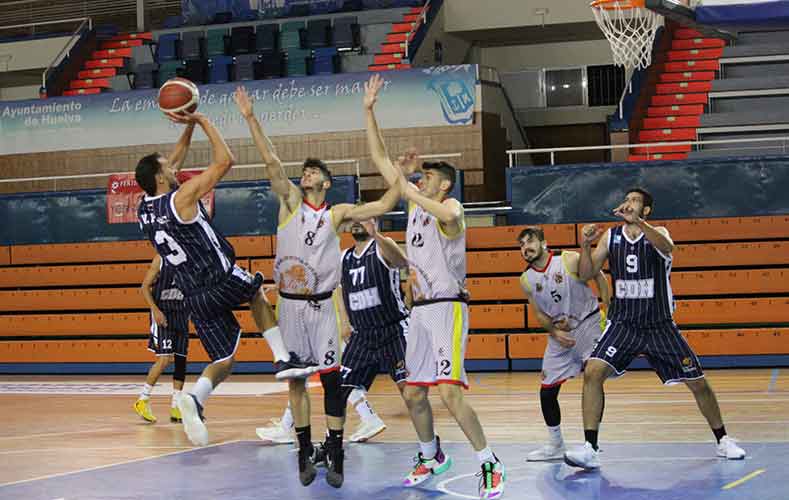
[
  {"x": 334, "y": 470},
  {"x": 294, "y": 368},
  {"x": 319, "y": 455},
  {"x": 307, "y": 470}
]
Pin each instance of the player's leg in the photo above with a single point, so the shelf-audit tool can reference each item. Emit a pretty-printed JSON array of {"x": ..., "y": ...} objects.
[
  {"x": 674, "y": 361},
  {"x": 299, "y": 401},
  {"x": 618, "y": 346},
  {"x": 160, "y": 343},
  {"x": 420, "y": 361},
  {"x": 181, "y": 350},
  {"x": 360, "y": 366}
]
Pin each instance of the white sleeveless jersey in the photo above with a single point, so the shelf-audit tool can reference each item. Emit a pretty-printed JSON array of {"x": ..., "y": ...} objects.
[
  {"x": 308, "y": 252},
  {"x": 559, "y": 293},
  {"x": 437, "y": 263}
]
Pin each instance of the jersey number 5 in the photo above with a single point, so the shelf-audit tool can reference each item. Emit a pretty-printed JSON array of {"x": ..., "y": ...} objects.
[{"x": 176, "y": 255}]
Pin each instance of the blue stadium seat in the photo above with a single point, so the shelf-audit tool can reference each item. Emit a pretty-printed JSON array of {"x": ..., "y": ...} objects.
[
  {"x": 246, "y": 66},
  {"x": 346, "y": 33},
  {"x": 319, "y": 33},
  {"x": 297, "y": 62},
  {"x": 167, "y": 70},
  {"x": 242, "y": 40},
  {"x": 325, "y": 61},
  {"x": 273, "y": 65},
  {"x": 191, "y": 42},
  {"x": 167, "y": 47},
  {"x": 196, "y": 70},
  {"x": 267, "y": 38},
  {"x": 144, "y": 76},
  {"x": 219, "y": 69},
  {"x": 173, "y": 22},
  {"x": 290, "y": 37}
]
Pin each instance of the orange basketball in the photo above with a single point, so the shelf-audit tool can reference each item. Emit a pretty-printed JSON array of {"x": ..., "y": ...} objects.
[{"x": 177, "y": 95}]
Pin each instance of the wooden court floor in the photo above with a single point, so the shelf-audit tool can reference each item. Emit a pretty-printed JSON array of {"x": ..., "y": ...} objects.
[{"x": 47, "y": 434}]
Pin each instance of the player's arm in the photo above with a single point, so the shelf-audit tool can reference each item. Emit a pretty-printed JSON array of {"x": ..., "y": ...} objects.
[
  {"x": 345, "y": 323},
  {"x": 591, "y": 261},
  {"x": 603, "y": 290},
  {"x": 658, "y": 236},
  {"x": 195, "y": 188},
  {"x": 346, "y": 211},
  {"x": 408, "y": 292},
  {"x": 545, "y": 321},
  {"x": 286, "y": 190},
  {"x": 375, "y": 140},
  {"x": 449, "y": 212},
  {"x": 151, "y": 275},
  {"x": 178, "y": 156}
]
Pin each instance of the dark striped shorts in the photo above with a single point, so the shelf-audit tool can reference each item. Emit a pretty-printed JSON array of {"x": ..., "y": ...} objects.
[
  {"x": 662, "y": 344},
  {"x": 212, "y": 312},
  {"x": 173, "y": 338},
  {"x": 370, "y": 352}
]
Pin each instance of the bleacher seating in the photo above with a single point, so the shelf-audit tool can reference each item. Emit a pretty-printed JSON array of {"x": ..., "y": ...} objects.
[
  {"x": 219, "y": 69},
  {"x": 71, "y": 303},
  {"x": 196, "y": 70},
  {"x": 242, "y": 40},
  {"x": 144, "y": 76},
  {"x": 191, "y": 45},
  {"x": 216, "y": 41},
  {"x": 244, "y": 68},
  {"x": 319, "y": 33}
]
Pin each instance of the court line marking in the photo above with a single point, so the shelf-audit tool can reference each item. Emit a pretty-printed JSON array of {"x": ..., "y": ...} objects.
[
  {"x": 743, "y": 479},
  {"x": 773, "y": 380},
  {"x": 111, "y": 448},
  {"x": 125, "y": 462}
]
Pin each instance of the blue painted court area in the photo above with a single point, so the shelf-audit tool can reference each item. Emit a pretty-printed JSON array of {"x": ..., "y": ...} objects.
[{"x": 249, "y": 470}]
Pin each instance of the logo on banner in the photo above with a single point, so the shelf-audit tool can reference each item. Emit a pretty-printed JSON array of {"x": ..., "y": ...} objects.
[{"x": 124, "y": 195}]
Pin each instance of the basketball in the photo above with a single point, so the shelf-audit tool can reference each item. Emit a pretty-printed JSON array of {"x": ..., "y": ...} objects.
[{"x": 177, "y": 95}]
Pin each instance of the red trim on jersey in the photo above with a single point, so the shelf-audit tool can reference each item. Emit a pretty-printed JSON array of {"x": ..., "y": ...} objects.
[
  {"x": 450, "y": 381},
  {"x": 304, "y": 200},
  {"x": 328, "y": 370},
  {"x": 421, "y": 384},
  {"x": 549, "y": 386},
  {"x": 550, "y": 258}
]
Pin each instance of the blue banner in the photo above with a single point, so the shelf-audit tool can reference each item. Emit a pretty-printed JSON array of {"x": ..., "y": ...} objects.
[{"x": 425, "y": 97}]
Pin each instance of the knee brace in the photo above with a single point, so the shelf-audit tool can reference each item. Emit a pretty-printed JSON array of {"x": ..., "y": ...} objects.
[
  {"x": 179, "y": 372},
  {"x": 333, "y": 397},
  {"x": 549, "y": 403}
]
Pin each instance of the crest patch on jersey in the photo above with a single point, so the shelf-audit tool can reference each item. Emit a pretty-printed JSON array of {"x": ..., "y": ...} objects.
[
  {"x": 617, "y": 239},
  {"x": 539, "y": 287},
  {"x": 558, "y": 278}
]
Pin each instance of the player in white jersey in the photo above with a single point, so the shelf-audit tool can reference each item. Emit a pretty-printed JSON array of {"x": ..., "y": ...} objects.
[
  {"x": 438, "y": 330},
  {"x": 568, "y": 310},
  {"x": 307, "y": 272}
]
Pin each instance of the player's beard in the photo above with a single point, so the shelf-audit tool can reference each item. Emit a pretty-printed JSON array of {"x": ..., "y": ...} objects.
[
  {"x": 359, "y": 233},
  {"x": 535, "y": 258}
]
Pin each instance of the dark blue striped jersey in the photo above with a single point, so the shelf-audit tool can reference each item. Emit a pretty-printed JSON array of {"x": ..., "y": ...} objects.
[
  {"x": 201, "y": 256},
  {"x": 165, "y": 291},
  {"x": 371, "y": 289},
  {"x": 641, "y": 278}
]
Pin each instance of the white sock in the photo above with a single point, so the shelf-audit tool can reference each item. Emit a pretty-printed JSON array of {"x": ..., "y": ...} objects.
[
  {"x": 429, "y": 449},
  {"x": 176, "y": 395},
  {"x": 287, "y": 418},
  {"x": 485, "y": 455},
  {"x": 276, "y": 344},
  {"x": 146, "y": 392},
  {"x": 202, "y": 389},
  {"x": 555, "y": 435},
  {"x": 355, "y": 396},
  {"x": 365, "y": 411}
]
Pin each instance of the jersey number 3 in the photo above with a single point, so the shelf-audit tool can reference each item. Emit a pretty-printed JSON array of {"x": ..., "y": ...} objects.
[{"x": 176, "y": 255}]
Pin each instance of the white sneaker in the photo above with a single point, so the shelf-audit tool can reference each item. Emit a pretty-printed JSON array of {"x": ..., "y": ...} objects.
[
  {"x": 276, "y": 433},
  {"x": 584, "y": 457},
  {"x": 368, "y": 429},
  {"x": 192, "y": 418},
  {"x": 729, "y": 450},
  {"x": 550, "y": 451}
]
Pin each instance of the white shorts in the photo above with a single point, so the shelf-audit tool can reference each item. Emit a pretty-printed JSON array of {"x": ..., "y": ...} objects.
[
  {"x": 311, "y": 330},
  {"x": 560, "y": 363},
  {"x": 436, "y": 347}
]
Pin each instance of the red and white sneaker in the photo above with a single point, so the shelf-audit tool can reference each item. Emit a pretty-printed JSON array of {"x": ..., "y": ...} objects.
[
  {"x": 491, "y": 480},
  {"x": 427, "y": 467}
]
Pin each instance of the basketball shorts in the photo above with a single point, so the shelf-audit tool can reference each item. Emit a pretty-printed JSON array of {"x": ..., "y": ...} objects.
[
  {"x": 371, "y": 351},
  {"x": 311, "y": 330},
  {"x": 212, "y": 312},
  {"x": 662, "y": 344},
  {"x": 436, "y": 347},
  {"x": 561, "y": 363},
  {"x": 173, "y": 338}
]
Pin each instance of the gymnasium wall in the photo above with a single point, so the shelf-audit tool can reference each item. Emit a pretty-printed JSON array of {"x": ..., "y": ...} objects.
[
  {"x": 466, "y": 15},
  {"x": 30, "y": 54}
]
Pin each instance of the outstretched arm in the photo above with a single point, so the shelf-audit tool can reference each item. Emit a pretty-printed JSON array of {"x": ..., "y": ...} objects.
[
  {"x": 195, "y": 188},
  {"x": 377, "y": 208},
  {"x": 178, "y": 156},
  {"x": 375, "y": 140},
  {"x": 280, "y": 184},
  {"x": 390, "y": 250}
]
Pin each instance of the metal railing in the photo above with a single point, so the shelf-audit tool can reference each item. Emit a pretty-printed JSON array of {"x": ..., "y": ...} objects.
[
  {"x": 782, "y": 140},
  {"x": 419, "y": 22},
  {"x": 67, "y": 47}
]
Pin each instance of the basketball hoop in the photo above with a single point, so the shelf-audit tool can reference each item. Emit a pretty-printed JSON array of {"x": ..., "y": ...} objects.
[{"x": 630, "y": 29}]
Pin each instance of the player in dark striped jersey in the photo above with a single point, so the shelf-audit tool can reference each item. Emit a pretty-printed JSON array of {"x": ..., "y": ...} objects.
[
  {"x": 204, "y": 261},
  {"x": 169, "y": 338},
  {"x": 640, "y": 321}
]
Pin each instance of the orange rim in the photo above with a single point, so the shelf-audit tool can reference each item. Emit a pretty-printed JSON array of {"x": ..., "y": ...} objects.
[{"x": 618, "y": 4}]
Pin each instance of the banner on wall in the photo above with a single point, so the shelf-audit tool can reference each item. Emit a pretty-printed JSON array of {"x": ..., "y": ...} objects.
[
  {"x": 123, "y": 197},
  {"x": 424, "y": 97}
]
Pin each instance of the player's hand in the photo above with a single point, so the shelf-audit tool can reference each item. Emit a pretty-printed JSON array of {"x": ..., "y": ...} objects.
[
  {"x": 409, "y": 161},
  {"x": 626, "y": 213},
  {"x": 369, "y": 226},
  {"x": 562, "y": 335},
  {"x": 159, "y": 317},
  {"x": 404, "y": 187},
  {"x": 371, "y": 89},
  {"x": 589, "y": 234},
  {"x": 242, "y": 100},
  {"x": 345, "y": 332},
  {"x": 183, "y": 118}
]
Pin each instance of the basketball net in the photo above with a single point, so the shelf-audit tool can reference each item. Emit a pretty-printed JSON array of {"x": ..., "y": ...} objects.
[{"x": 630, "y": 29}]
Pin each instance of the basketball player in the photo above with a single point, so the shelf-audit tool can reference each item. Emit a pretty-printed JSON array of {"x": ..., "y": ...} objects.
[
  {"x": 640, "y": 322},
  {"x": 374, "y": 310},
  {"x": 172, "y": 218},
  {"x": 307, "y": 274},
  {"x": 169, "y": 338},
  {"x": 567, "y": 309},
  {"x": 438, "y": 328}
]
